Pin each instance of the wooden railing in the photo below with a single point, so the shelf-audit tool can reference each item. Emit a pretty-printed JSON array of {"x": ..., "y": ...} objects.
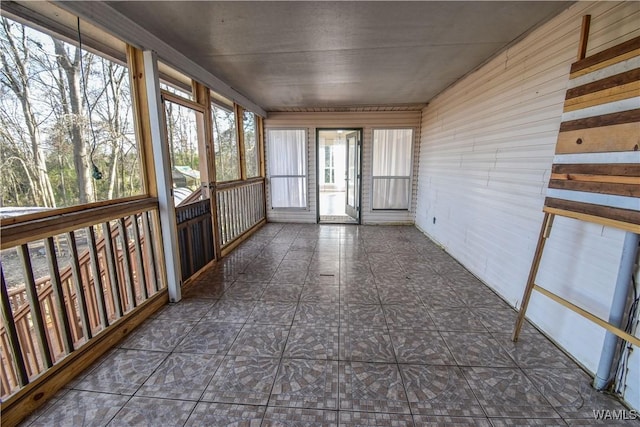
[
  {"x": 46, "y": 319},
  {"x": 195, "y": 236},
  {"x": 240, "y": 207}
]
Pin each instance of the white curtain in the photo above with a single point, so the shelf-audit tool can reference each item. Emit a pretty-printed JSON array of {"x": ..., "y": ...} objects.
[
  {"x": 287, "y": 167},
  {"x": 392, "y": 150}
]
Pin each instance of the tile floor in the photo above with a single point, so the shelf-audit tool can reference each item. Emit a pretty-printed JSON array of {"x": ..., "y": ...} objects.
[{"x": 331, "y": 325}]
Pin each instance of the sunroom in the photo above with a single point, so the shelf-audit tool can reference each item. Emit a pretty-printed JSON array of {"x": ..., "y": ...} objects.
[{"x": 319, "y": 213}]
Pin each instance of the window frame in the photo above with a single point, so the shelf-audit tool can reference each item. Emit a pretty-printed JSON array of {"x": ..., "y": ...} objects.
[
  {"x": 269, "y": 176},
  {"x": 390, "y": 177}
]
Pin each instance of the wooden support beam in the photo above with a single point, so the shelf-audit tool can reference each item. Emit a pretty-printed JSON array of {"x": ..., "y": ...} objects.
[
  {"x": 545, "y": 232},
  {"x": 17, "y": 356},
  {"x": 584, "y": 37}
]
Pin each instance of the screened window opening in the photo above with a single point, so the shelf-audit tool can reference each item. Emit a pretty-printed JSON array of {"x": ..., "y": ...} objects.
[
  {"x": 67, "y": 124},
  {"x": 225, "y": 142},
  {"x": 392, "y": 153},
  {"x": 287, "y": 162},
  {"x": 249, "y": 125},
  {"x": 182, "y": 136}
]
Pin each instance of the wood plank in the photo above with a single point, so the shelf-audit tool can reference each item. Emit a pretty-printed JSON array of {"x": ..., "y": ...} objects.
[
  {"x": 142, "y": 279},
  {"x": 126, "y": 264},
  {"x": 618, "y": 93},
  {"x": 606, "y": 83},
  {"x": 615, "y": 138},
  {"x": 545, "y": 232},
  {"x": 36, "y": 309},
  {"x": 35, "y": 394},
  {"x": 596, "y": 219},
  {"x": 24, "y": 232},
  {"x": 81, "y": 298},
  {"x": 58, "y": 295},
  {"x": 112, "y": 269},
  {"x": 584, "y": 36},
  {"x": 629, "y": 116},
  {"x": 149, "y": 249},
  {"x": 617, "y": 169},
  {"x": 97, "y": 278},
  {"x": 612, "y": 179},
  {"x": 629, "y": 190},
  {"x": 584, "y": 313},
  {"x": 612, "y": 53},
  {"x": 10, "y": 326}
]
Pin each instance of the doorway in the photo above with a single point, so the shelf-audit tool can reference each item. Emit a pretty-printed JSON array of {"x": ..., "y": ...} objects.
[{"x": 338, "y": 175}]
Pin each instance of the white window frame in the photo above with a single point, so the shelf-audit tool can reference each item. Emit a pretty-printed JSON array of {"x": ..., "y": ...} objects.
[
  {"x": 407, "y": 177},
  {"x": 270, "y": 176}
]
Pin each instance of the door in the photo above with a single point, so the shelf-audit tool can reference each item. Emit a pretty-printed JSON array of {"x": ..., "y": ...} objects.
[{"x": 352, "y": 176}]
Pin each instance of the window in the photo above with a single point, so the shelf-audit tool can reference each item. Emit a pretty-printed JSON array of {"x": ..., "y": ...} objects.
[
  {"x": 67, "y": 124},
  {"x": 250, "y": 133},
  {"x": 182, "y": 136},
  {"x": 392, "y": 152},
  {"x": 225, "y": 144},
  {"x": 329, "y": 165},
  {"x": 287, "y": 163}
]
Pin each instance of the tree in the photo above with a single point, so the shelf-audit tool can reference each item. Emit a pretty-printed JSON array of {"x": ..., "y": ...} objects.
[{"x": 15, "y": 53}]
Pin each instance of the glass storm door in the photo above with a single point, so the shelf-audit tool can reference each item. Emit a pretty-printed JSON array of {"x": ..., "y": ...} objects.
[{"x": 352, "y": 177}]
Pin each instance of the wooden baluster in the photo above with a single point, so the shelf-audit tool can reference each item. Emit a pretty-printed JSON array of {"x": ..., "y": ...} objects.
[
  {"x": 112, "y": 269},
  {"x": 12, "y": 334},
  {"x": 103, "y": 318},
  {"x": 81, "y": 298},
  {"x": 56, "y": 285},
  {"x": 126, "y": 262},
  {"x": 142, "y": 280},
  {"x": 36, "y": 309},
  {"x": 151, "y": 254}
]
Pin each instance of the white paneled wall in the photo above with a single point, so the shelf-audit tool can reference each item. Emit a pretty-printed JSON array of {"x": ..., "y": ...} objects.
[
  {"x": 347, "y": 120},
  {"x": 487, "y": 146}
]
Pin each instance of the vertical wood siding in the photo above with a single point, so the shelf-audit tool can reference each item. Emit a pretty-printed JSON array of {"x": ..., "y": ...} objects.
[
  {"x": 487, "y": 145},
  {"x": 367, "y": 121}
]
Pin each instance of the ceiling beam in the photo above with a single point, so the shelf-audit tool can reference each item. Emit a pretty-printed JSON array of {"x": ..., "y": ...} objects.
[{"x": 112, "y": 21}]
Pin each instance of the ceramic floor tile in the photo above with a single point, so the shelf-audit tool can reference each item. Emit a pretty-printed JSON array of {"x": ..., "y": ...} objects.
[
  {"x": 146, "y": 411},
  {"x": 205, "y": 291},
  {"x": 294, "y": 277},
  {"x": 443, "y": 298},
  {"x": 362, "y": 316},
  {"x": 231, "y": 311},
  {"x": 158, "y": 334},
  {"x": 260, "y": 340},
  {"x": 302, "y": 383},
  {"x": 224, "y": 414},
  {"x": 570, "y": 392},
  {"x": 181, "y": 376},
  {"x": 507, "y": 393},
  {"x": 408, "y": 316},
  {"x": 601, "y": 422},
  {"x": 209, "y": 337},
  {"x": 273, "y": 313},
  {"x": 359, "y": 295},
  {"x": 360, "y": 419},
  {"x": 297, "y": 417},
  {"x": 534, "y": 351},
  {"x": 325, "y": 277},
  {"x": 242, "y": 380},
  {"x": 420, "y": 347},
  {"x": 501, "y": 320},
  {"x": 397, "y": 295},
  {"x": 189, "y": 309},
  {"x": 245, "y": 291},
  {"x": 82, "y": 408},
  {"x": 308, "y": 341},
  {"x": 366, "y": 345},
  {"x": 317, "y": 314},
  {"x": 282, "y": 292},
  {"x": 320, "y": 294},
  {"x": 547, "y": 422},
  {"x": 372, "y": 387},
  {"x": 123, "y": 372},
  {"x": 477, "y": 349},
  {"x": 441, "y": 420},
  {"x": 448, "y": 319},
  {"x": 439, "y": 390},
  {"x": 481, "y": 296}
]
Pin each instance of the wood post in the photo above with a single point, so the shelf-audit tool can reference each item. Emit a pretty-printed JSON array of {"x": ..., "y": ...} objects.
[
  {"x": 584, "y": 37},
  {"x": 545, "y": 231}
]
